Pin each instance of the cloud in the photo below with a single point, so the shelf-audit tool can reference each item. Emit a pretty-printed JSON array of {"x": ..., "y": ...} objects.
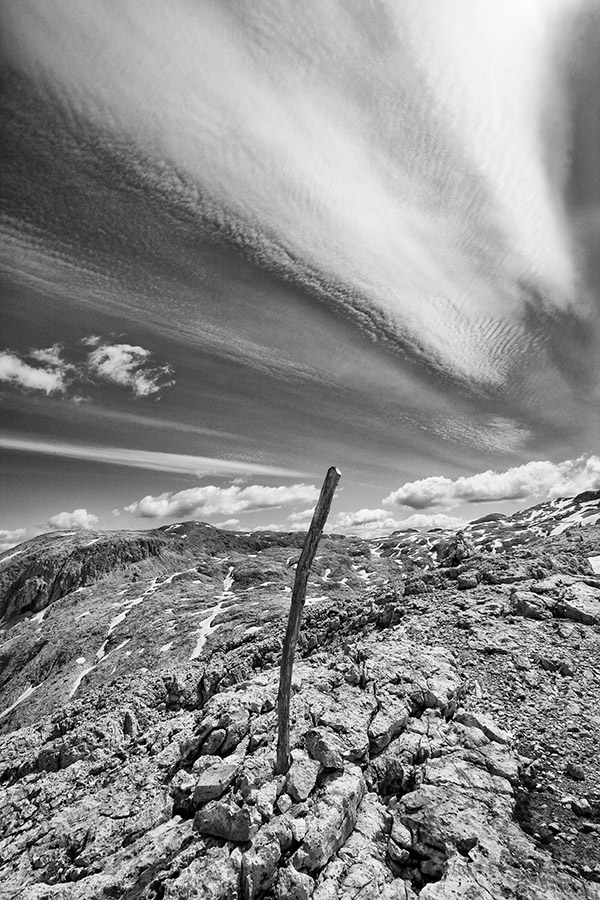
[
  {"x": 229, "y": 524},
  {"x": 378, "y": 522},
  {"x": 145, "y": 459},
  {"x": 539, "y": 479},
  {"x": 212, "y": 500},
  {"x": 78, "y": 519},
  {"x": 421, "y": 494},
  {"x": 127, "y": 365},
  {"x": 420, "y": 227},
  {"x": 10, "y": 539},
  {"x": 50, "y": 356},
  {"x": 49, "y": 377},
  {"x": 58, "y": 368},
  {"x": 301, "y": 519}
]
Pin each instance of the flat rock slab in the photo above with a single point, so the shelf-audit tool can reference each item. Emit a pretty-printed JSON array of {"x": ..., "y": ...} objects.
[
  {"x": 580, "y": 602},
  {"x": 214, "y": 781}
]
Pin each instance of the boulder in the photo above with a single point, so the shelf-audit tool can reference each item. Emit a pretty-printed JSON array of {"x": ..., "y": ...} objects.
[
  {"x": 225, "y": 819},
  {"x": 455, "y": 550},
  {"x": 530, "y": 605},
  {"x": 388, "y": 722},
  {"x": 333, "y": 819},
  {"x": 214, "y": 781},
  {"x": 302, "y": 776},
  {"x": 294, "y": 885},
  {"x": 467, "y": 580},
  {"x": 260, "y": 863},
  {"x": 484, "y": 723},
  {"x": 325, "y": 747},
  {"x": 215, "y": 875},
  {"x": 581, "y": 603}
]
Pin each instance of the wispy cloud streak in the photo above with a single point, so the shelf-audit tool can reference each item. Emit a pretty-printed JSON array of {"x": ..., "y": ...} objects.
[{"x": 144, "y": 459}]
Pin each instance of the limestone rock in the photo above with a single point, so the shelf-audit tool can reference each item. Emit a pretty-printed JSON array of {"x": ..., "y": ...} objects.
[
  {"x": 212, "y": 876},
  {"x": 214, "y": 781},
  {"x": 455, "y": 550},
  {"x": 331, "y": 822},
  {"x": 324, "y": 747},
  {"x": 302, "y": 775},
  {"x": 580, "y": 602},
  {"x": 530, "y": 605},
  {"x": 388, "y": 722},
  {"x": 294, "y": 885},
  {"x": 225, "y": 819},
  {"x": 467, "y": 580},
  {"x": 484, "y": 723},
  {"x": 260, "y": 863}
]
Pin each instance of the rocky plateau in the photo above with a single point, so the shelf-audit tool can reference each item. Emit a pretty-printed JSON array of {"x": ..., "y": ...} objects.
[{"x": 445, "y": 714}]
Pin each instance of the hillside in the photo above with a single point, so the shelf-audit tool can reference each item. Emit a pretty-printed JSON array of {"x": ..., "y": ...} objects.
[{"x": 446, "y": 714}]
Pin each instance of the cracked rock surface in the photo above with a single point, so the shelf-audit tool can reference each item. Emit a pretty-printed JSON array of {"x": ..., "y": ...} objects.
[{"x": 445, "y": 716}]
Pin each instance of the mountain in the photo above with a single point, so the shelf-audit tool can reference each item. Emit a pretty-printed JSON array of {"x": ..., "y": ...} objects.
[{"x": 445, "y": 714}]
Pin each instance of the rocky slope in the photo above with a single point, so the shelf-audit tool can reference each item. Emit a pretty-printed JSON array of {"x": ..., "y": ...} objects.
[{"x": 446, "y": 714}]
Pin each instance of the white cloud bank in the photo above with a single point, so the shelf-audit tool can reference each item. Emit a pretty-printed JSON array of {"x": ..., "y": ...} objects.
[
  {"x": 212, "y": 500},
  {"x": 539, "y": 479},
  {"x": 376, "y": 522},
  {"x": 80, "y": 519}
]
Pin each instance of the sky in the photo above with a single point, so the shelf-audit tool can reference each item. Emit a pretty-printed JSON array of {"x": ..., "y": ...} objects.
[{"x": 240, "y": 243}]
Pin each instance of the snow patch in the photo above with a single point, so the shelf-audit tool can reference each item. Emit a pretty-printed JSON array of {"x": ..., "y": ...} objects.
[
  {"x": 594, "y": 562},
  {"x": 26, "y": 693},
  {"x": 116, "y": 621},
  {"x": 10, "y": 556},
  {"x": 207, "y": 627},
  {"x": 102, "y": 656}
]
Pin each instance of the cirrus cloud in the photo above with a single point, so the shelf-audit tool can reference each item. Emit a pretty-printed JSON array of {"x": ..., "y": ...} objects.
[
  {"x": 538, "y": 479},
  {"x": 212, "y": 500},
  {"x": 79, "y": 519}
]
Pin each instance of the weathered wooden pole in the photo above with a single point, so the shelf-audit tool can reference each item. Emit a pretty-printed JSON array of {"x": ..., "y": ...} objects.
[{"x": 297, "y": 606}]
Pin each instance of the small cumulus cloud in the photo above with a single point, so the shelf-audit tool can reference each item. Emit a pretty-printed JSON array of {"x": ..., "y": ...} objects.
[
  {"x": 538, "y": 479},
  {"x": 301, "y": 519},
  {"x": 53, "y": 370},
  {"x": 9, "y": 539},
  {"x": 79, "y": 519},
  {"x": 421, "y": 494},
  {"x": 229, "y": 524},
  {"x": 212, "y": 500},
  {"x": 49, "y": 375},
  {"x": 50, "y": 356},
  {"x": 127, "y": 365}
]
